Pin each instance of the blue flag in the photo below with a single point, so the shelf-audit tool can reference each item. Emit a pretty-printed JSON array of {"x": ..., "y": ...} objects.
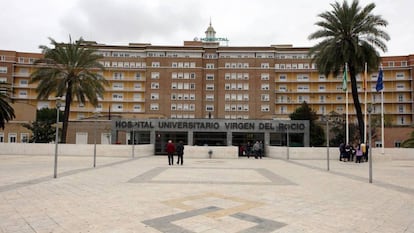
[{"x": 380, "y": 82}]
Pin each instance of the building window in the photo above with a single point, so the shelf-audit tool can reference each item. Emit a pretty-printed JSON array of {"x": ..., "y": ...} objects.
[
  {"x": 24, "y": 137},
  {"x": 265, "y": 87},
  {"x": 210, "y": 66},
  {"x": 137, "y": 97},
  {"x": 155, "y": 75},
  {"x": 400, "y": 86},
  {"x": 118, "y": 76},
  {"x": 155, "y": 85},
  {"x": 400, "y": 76},
  {"x": 155, "y": 96},
  {"x": 210, "y": 87},
  {"x": 282, "y": 77},
  {"x": 12, "y": 137},
  {"x": 210, "y": 77},
  {"x": 117, "y": 86},
  {"x": 209, "y": 108},
  {"x": 117, "y": 96},
  {"x": 3, "y": 70},
  {"x": 401, "y": 108},
  {"x": 154, "y": 106},
  {"x": 155, "y": 64},
  {"x": 23, "y": 94},
  {"x": 265, "y": 108},
  {"x": 24, "y": 83},
  {"x": 302, "y": 77},
  {"x": 209, "y": 97},
  {"x": 282, "y": 88},
  {"x": 322, "y": 88},
  {"x": 264, "y": 77},
  {"x": 303, "y": 88},
  {"x": 264, "y": 65},
  {"x": 265, "y": 97},
  {"x": 400, "y": 98},
  {"x": 137, "y": 86},
  {"x": 1, "y": 137}
]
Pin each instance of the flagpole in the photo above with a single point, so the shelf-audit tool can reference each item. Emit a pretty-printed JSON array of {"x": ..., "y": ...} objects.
[
  {"x": 347, "y": 123},
  {"x": 365, "y": 105},
  {"x": 345, "y": 86},
  {"x": 382, "y": 121},
  {"x": 380, "y": 87}
]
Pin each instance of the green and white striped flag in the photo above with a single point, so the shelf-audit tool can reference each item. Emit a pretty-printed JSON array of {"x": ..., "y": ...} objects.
[{"x": 345, "y": 80}]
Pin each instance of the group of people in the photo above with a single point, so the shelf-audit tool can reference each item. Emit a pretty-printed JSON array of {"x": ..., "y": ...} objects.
[
  {"x": 171, "y": 149},
  {"x": 255, "y": 149},
  {"x": 347, "y": 152}
]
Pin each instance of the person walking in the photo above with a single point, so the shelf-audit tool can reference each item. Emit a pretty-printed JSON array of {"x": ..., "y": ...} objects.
[
  {"x": 170, "y": 151},
  {"x": 358, "y": 154},
  {"x": 180, "y": 152},
  {"x": 261, "y": 150}
]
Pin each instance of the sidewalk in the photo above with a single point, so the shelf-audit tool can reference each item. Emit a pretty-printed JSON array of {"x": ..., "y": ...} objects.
[{"x": 204, "y": 195}]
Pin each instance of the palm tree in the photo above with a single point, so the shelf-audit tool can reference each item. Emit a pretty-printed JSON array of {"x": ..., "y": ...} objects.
[
  {"x": 409, "y": 143},
  {"x": 69, "y": 70},
  {"x": 349, "y": 34},
  {"x": 6, "y": 110}
]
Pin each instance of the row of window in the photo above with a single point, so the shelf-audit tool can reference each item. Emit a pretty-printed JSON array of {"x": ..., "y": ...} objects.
[{"x": 12, "y": 137}]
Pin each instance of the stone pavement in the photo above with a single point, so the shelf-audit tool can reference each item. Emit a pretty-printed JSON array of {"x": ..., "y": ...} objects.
[{"x": 204, "y": 195}]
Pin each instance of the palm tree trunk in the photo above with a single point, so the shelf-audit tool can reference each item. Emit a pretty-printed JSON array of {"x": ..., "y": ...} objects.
[
  {"x": 357, "y": 104},
  {"x": 68, "y": 101}
]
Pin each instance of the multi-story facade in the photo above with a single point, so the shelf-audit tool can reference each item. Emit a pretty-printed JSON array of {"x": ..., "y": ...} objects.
[{"x": 203, "y": 79}]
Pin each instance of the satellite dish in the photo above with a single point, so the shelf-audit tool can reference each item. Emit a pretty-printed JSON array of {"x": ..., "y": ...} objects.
[{"x": 195, "y": 38}]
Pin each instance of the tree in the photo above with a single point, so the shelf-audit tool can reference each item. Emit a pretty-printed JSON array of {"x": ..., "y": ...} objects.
[
  {"x": 409, "y": 143},
  {"x": 42, "y": 129},
  {"x": 349, "y": 34},
  {"x": 6, "y": 110},
  {"x": 69, "y": 70},
  {"x": 304, "y": 112}
]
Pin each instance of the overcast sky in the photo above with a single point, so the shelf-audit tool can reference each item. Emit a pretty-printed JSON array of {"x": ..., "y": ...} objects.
[{"x": 26, "y": 24}]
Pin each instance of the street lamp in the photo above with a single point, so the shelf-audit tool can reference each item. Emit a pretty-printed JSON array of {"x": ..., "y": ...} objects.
[
  {"x": 58, "y": 105},
  {"x": 96, "y": 115},
  {"x": 327, "y": 141},
  {"x": 133, "y": 143},
  {"x": 369, "y": 144},
  {"x": 287, "y": 141}
]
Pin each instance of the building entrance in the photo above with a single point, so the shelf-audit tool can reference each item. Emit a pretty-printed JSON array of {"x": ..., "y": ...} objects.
[
  {"x": 162, "y": 138},
  {"x": 243, "y": 139}
]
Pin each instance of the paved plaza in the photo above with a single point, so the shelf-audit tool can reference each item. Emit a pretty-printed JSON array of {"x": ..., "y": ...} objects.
[{"x": 204, "y": 195}]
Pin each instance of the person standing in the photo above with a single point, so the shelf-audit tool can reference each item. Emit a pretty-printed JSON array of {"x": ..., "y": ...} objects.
[
  {"x": 256, "y": 149},
  {"x": 180, "y": 152},
  {"x": 170, "y": 151}
]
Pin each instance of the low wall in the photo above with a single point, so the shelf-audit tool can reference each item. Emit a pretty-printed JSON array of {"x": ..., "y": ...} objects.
[
  {"x": 75, "y": 149},
  {"x": 321, "y": 153},
  {"x": 230, "y": 152},
  {"x": 111, "y": 150}
]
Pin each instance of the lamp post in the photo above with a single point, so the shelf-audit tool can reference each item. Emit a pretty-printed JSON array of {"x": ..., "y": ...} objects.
[
  {"x": 96, "y": 115},
  {"x": 133, "y": 143},
  {"x": 370, "y": 140},
  {"x": 327, "y": 141},
  {"x": 58, "y": 105},
  {"x": 287, "y": 141}
]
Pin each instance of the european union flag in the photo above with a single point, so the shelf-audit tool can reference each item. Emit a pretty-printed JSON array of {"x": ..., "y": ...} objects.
[{"x": 380, "y": 82}]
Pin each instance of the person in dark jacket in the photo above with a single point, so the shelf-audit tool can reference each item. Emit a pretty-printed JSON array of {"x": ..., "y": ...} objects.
[
  {"x": 180, "y": 152},
  {"x": 170, "y": 151}
]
